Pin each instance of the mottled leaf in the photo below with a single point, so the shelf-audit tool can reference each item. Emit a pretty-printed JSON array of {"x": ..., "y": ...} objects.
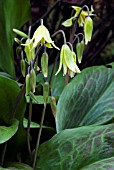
[
  {"x": 105, "y": 164},
  {"x": 73, "y": 149},
  {"x": 88, "y": 99},
  {"x": 18, "y": 166}
]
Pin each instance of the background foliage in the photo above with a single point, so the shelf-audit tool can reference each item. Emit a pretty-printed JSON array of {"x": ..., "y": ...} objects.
[{"x": 81, "y": 135}]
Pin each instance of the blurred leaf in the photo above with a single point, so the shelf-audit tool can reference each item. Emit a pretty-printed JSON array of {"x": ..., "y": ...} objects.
[
  {"x": 32, "y": 124},
  {"x": 88, "y": 99},
  {"x": 7, "y": 132},
  {"x": 105, "y": 164},
  {"x": 18, "y": 166},
  {"x": 40, "y": 99},
  {"x": 74, "y": 149},
  {"x": 13, "y": 14},
  {"x": 57, "y": 83}
]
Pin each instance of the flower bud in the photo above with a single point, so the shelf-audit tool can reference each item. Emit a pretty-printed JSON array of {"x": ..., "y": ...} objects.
[
  {"x": 53, "y": 105},
  {"x": 33, "y": 80},
  {"x": 22, "y": 34},
  {"x": 28, "y": 86},
  {"x": 88, "y": 28},
  {"x": 17, "y": 41},
  {"x": 79, "y": 51},
  {"x": 44, "y": 64},
  {"x": 18, "y": 51},
  {"x": 23, "y": 67},
  {"x": 45, "y": 91}
]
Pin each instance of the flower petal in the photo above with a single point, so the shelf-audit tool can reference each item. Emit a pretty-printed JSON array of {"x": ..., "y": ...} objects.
[
  {"x": 61, "y": 60},
  {"x": 46, "y": 34},
  {"x": 68, "y": 56},
  {"x": 71, "y": 73},
  {"x": 55, "y": 46},
  {"x": 48, "y": 45},
  {"x": 64, "y": 67},
  {"x": 68, "y": 22},
  {"x": 38, "y": 35}
]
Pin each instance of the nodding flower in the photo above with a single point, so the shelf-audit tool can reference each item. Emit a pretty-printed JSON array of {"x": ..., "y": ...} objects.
[
  {"x": 42, "y": 35},
  {"x": 68, "y": 61}
]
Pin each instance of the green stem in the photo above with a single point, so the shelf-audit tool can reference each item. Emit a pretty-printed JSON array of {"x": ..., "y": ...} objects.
[
  {"x": 62, "y": 32},
  {"x": 28, "y": 126},
  {"x": 22, "y": 91},
  {"x": 39, "y": 136},
  {"x": 3, "y": 154},
  {"x": 71, "y": 47},
  {"x": 66, "y": 79}
]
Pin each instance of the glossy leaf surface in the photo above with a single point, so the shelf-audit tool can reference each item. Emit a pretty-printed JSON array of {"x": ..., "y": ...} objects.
[
  {"x": 88, "y": 99},
  {"x": 74, "y": 149},
  {"x": 7, "y": 132}
]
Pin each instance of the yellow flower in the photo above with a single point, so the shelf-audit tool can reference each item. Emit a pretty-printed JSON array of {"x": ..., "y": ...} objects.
[
  {"x": 68, "y": 61},
  {"x": 30, "y": 52},
  {"x": 42, "y": 35},
  {"x": 81, "y": 18}
]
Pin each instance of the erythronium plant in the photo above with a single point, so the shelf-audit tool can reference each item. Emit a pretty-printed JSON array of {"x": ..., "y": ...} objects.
[{"x": 68, "y": 60}]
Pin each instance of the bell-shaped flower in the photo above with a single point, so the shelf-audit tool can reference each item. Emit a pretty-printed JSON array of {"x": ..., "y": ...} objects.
[
  {"x": 68, "y": 61},
  {"x": 29, "y": 50},
  {"x": 42, "y": 35}
]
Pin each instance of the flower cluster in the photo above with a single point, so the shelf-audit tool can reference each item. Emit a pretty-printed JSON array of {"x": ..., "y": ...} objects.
[
  {"x": 83, "y": 19},
  {"x": 68, "y": 58}
]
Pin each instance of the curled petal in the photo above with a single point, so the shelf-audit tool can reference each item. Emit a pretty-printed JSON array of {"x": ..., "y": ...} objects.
[
  {"x": 55, "y": 46},
  {"x": 68, "y": 57},
  {"x": 68, "y": 22},
  {"x": 77, "y": 69},
  {"x": 61, "y": 62}
]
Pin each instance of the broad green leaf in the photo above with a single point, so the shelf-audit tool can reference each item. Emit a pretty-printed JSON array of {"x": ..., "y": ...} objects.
[
  {"x": 4, "y": 168},
  {"x": 39, "y": 98},
  {"x": 34, "y": 124},
  {"x": 9, "y": 90},
  {"x": 74, "y": 149},
  {"x": 105, "y": 164},
  {"x": 18, "y": 166},
  {"x": 58, "y": 82},
  {"x": 7, "y": 132},
  {"x": 88, "y": 99},
  {"x": 13, "y": 14}
]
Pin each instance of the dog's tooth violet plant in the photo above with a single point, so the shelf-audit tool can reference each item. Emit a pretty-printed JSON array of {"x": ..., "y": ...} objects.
[
  {"x": 69, "y": 58},
  {"x": 57, "y": 113}
]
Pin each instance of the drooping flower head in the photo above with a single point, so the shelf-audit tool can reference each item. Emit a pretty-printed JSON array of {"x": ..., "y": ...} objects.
[
  {"x": 82, "y": 16},
  {"x": 42, "y": 35},
  {"x": 68, "y": 61}
]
